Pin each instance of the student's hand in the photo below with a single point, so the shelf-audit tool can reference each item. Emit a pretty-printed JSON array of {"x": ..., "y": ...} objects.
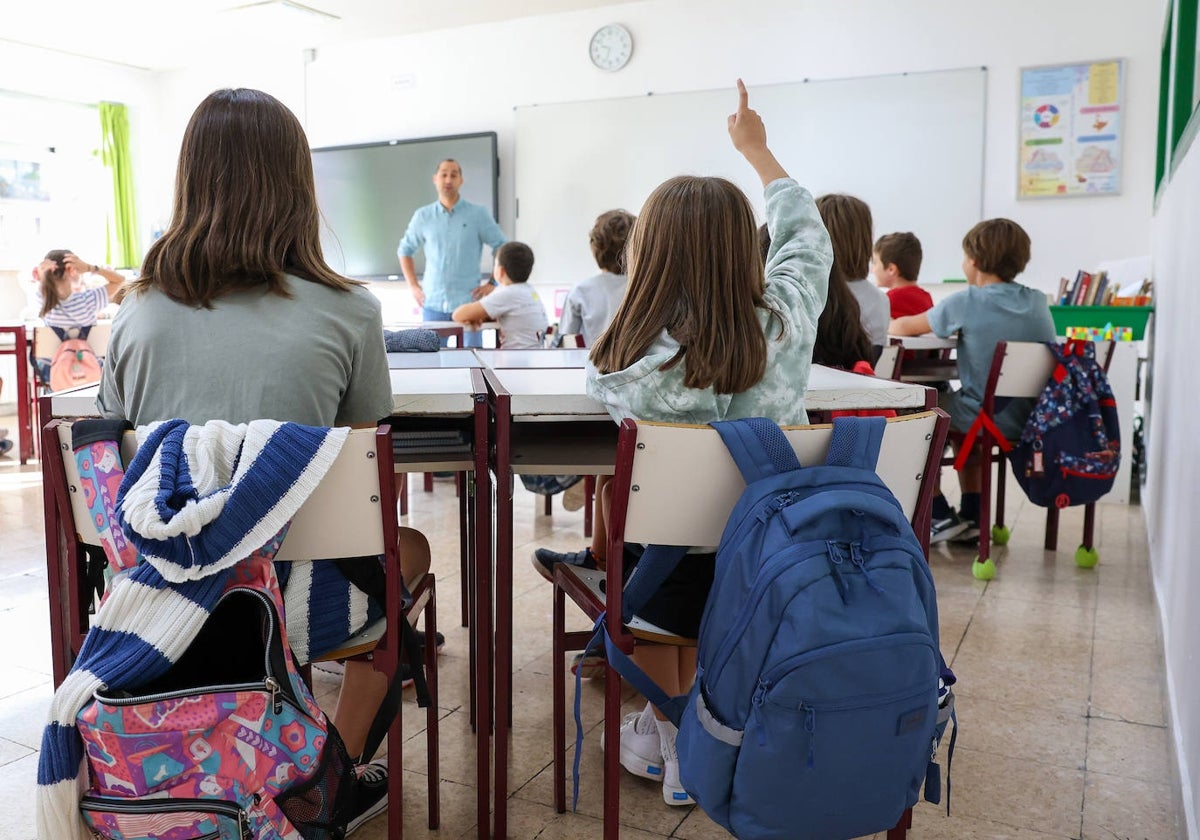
[
  {"x": 749, "y": 137},
  {"x": 418, "y": 293},
  {"x": 482, "y": 291},
  {"x": 746, "y": 128},
  {"x": 73, "y": 261}
]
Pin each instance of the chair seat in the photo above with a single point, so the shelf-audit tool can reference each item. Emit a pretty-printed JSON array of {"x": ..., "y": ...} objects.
[
  {"x": 360, "y": 643},
  {"x": 640, "y": 628}
]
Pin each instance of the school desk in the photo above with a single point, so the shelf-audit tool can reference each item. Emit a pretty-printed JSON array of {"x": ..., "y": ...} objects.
[
  {"x": 935, "y": 366},
  {"x": 18, "y": 347},
  {"x": 544, "y": 422},
  {"x": 447, "y": 357}
]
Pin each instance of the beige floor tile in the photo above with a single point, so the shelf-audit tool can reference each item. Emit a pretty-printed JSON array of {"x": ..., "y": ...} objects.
[
  {"x": 1004, "y": 730},
  {"x": 1014, "y": 630},
  {"x": 1115, "y": 806},
  {"x": 1017, "y": 792},
  {"x": 17, "y": 798},
  {"x": 11, "y": 751},
  {"x": 1117, "y": 697},
  {"x": 1025, "y": 683},
  {"x": 1132, "y": 750},
  {"x": 932, "y": 823}
]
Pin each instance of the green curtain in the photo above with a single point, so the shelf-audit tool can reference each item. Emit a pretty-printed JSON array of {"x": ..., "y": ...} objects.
[{"x": 123, "y": 249}]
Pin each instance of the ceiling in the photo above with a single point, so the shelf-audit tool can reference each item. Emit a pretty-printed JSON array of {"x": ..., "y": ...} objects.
[{"x": 167, "y": 34}]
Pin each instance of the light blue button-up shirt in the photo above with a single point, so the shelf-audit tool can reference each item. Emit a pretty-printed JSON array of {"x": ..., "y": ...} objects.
[{"x": 453, "y": 242}]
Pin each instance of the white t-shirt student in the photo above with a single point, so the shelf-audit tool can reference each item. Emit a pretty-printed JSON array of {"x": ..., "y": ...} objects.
[{"x": 519, "y": 311}]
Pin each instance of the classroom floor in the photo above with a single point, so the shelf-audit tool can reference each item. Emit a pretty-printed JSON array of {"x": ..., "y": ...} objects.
[{"x": 1060, "y": 696}]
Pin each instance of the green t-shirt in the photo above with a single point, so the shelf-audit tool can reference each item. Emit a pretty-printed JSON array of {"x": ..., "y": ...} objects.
[{"x": 315, "y": 358}]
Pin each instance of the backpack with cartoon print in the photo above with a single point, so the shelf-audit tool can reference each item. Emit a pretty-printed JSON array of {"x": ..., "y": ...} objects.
[{"x": 1070, "y": 448}]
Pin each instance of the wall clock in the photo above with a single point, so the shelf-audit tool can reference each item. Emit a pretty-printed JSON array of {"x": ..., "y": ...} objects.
[{"x": 611, "y": 47}]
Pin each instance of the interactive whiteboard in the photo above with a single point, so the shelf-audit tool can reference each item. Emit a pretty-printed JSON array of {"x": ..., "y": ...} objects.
[{"x": 910, "y": 145}]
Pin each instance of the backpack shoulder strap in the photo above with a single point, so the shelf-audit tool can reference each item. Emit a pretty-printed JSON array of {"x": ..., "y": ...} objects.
[
  {"x": 758, "y": 446},
  {"x": 856, "y": 442}
]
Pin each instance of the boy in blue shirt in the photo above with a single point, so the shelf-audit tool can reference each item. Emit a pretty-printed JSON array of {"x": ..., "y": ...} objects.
[{"x": 993, "y": 308}]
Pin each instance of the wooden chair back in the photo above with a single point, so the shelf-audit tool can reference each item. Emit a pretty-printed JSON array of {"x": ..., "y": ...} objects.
[
  {"x": 683, "y": 482},
  {"x": 45, "y": 341}
]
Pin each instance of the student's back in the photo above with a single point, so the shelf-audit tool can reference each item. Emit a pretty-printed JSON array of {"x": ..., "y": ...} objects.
[
  {"x": 591, "y": 304},
  {"x": 315, "y": 358}
]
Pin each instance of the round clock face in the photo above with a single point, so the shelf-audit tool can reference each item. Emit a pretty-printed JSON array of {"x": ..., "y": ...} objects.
[{"x": 611, "y": 47}]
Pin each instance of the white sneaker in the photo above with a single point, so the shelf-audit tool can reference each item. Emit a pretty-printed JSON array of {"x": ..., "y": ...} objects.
[
  {"x": 673, "y": 792},
  {"x": 640, "y": 753}
]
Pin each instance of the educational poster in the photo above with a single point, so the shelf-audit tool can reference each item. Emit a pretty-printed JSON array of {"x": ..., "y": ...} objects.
[{"x": 1071, "y": 130}]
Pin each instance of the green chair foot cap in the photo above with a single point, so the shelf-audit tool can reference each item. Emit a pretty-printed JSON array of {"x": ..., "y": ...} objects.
[
  {"x": 1086, "y": 558},
  {"x": 985, "y": 570},
  {"x": 1001, "y": 534}
]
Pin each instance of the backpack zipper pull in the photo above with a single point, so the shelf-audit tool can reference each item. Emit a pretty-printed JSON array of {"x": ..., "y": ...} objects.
[
  {"x": 760, "y": 697},
  {"x": 834, "y": 557},
  {"x": 276, "y": 700},
  {"x": 857, "y": 559},
  {"x": 810, "y": 726},
  {"x": 776, "y": 504}
]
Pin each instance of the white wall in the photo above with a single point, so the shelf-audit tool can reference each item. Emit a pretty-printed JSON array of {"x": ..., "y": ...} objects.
[
  {"x": 1173, "y": 485},
  {"x": 469, "y": 79}
]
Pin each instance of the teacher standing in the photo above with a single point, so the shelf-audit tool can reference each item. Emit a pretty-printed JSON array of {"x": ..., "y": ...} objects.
[{"x": 453, "y": 232}]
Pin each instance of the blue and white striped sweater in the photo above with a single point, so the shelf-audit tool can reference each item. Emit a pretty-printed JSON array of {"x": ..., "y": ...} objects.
[{"x": 194, "y": 500}]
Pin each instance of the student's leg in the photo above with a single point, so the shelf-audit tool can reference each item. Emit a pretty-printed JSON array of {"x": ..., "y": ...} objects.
[
  {"x": 600, "y": 506},
  {"x": 363, "y": 688},
  {"x": 662, "y": 664}
]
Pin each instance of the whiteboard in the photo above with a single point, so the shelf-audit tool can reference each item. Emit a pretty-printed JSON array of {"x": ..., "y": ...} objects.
[{"x": 909, "y": 145}]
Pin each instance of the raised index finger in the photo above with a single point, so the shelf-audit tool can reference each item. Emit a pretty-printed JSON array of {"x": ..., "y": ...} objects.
[{"x": 743, "y": 96}]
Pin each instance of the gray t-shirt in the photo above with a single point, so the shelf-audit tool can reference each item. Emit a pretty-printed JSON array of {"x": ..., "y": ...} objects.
[
  {"x": 316, "y": 358},
  {"x": 591, "y": 305},
  {"x": 521, "y": 315},
  {"x": 982, "y": 316},
  {"x": 875, "y": 310}
]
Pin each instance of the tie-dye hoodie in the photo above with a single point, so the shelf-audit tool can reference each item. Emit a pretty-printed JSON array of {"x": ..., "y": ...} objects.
[{"x": 797, "y": 281}]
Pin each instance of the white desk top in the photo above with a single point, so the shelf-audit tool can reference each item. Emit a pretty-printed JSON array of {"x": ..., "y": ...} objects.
[
  {"x": 76, "y": 402},
  {"x": 928, "y": 341},
  {"x": 447, "y": 358},
  {"x": 433, "y": 391},
  {"x": 437, "y": 325},
  {"x": 558, "y": 357},
  {"x": 559, "y": 393}
]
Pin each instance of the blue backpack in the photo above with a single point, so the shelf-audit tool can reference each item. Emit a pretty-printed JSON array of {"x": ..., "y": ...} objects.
[
  {"x": 820, "y": 692},
  {"x": 1070, "y": 448}
]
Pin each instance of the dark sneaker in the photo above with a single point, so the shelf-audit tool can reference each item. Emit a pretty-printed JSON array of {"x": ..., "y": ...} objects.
[
  {"x": 947, "y": 528},
  {"x": 441, "y": 640},
  {"x": 370, "y": 795},
  {"x": 544, "y": 560},
  {"x": 588, "y": 666},
  {"x": 969, "y": 535}
]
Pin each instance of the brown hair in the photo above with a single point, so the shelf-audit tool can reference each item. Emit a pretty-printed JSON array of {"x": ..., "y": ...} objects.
[
  {"x": 245, "y": 209},
  {"x": 902, "y": 250},
  {"x": 608, "y": 237},
  {"x": 516, "y": 258},
  {"x": 848, "y": 220},
  {"x": 694, "y": 271},
  {"x": 841, "y": 340},
  {"x": 48, "y": 280},
  {"x": 998, "y": 246}
]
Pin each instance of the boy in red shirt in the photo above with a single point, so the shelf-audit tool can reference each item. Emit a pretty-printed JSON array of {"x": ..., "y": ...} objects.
[{"x": 895, "y": 264}]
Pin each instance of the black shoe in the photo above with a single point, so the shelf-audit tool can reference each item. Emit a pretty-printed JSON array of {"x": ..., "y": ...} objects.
[
  {"x": 370, "y": 794},
  {"x": 441, "y": 640},
  {"x": 544, "y": 560},
  {"x": 947, "y": 528},
  {"x": 969, "y": 535}
]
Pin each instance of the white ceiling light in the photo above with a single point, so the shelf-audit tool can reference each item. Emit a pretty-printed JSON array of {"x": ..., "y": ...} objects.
[{"x": 287, "y": 6}]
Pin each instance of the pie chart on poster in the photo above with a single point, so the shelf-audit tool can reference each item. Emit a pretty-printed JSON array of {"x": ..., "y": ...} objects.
[{"x": 1046, "y": 116}]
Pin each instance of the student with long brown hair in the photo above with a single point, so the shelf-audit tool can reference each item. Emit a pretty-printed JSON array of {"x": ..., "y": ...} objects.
[
  {"x": 237, "y": 317},
  {"x": 704, "y": 334},
  {"x": 848, "y": 220}
]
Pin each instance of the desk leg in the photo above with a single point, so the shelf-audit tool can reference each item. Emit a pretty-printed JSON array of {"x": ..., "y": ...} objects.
[
  {"x": 481, "y": 626},
  {"x": 504, "y": 608},
  {"x": 24, "y": 407}
]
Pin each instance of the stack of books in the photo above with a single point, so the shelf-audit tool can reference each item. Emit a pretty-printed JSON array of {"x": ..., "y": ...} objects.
[
  {"x": 438, "y": 441},
  {"x": 1093, "y": 289}
]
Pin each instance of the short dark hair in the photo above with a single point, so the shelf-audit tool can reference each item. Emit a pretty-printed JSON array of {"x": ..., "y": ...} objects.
[
  {"x": 999, "y": 247},
  {"x": 447, "y": 160},
  {"x": 607, "y": 238},
  {"x": 902, "y": 250},
  {"x": 516, "y": 258}
]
